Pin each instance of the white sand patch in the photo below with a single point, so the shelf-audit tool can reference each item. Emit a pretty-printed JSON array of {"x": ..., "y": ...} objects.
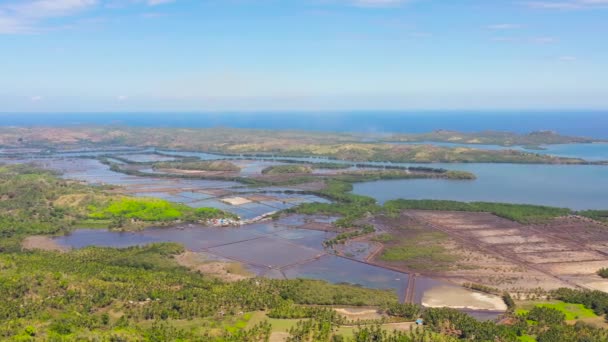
[
  {"x": 235, "y": 200},
  {"x": 460, "y": 298}
]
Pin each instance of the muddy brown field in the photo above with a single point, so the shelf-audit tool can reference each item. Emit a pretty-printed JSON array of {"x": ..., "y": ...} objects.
[{"x": 496, "y": 252}]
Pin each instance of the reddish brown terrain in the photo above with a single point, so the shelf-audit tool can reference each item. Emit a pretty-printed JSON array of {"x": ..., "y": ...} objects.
[{"x": 493, "y": 251}]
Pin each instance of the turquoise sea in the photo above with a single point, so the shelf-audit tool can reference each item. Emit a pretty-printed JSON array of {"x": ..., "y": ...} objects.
[{"x": 581, "y": 123}]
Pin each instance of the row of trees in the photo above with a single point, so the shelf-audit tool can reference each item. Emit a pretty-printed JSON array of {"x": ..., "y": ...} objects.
[{"x": 144, "y": 284}]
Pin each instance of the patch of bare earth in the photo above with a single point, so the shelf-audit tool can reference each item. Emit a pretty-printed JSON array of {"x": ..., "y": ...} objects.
[
  {"x": 549, "y": 255},
  {"x": 459, "y": 298},
  {"x": 503, "y": 254},
  {"x": 227, "y": 271},
  {"x": 278, "y": 336},
  {"x": 356, "y": 314},
  {"x": 40, "y": 242}
]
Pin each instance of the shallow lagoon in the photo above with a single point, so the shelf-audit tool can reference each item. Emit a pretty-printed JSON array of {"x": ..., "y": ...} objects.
[
  {"x": 269, "y": 249},
  {"x": 572, "y": 186}
]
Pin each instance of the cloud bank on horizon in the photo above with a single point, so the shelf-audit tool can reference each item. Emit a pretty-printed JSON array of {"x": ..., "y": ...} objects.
[{"x": 106, "y": 55}]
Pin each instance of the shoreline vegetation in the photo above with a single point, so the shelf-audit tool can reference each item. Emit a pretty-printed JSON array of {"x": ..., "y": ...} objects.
[
  {"x": 352, "y": 147},
  {"x": 143, "y": 293},
  {"x": 34, "y": 201},
  {"x": 296, "y": 173},
  {"x": 532, "y": 140}
]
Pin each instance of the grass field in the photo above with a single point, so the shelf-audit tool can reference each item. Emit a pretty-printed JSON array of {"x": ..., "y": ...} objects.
[
  {"x": 278, "y": 325},
  {"x": 572, "y": 311},
  {"x": 422, "y": 251}
]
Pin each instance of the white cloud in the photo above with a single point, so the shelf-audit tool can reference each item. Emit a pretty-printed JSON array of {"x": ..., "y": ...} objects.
[
  {"x": 504, "y": 26},
  {"x": 36, "y": 98},
  {"x": 122, "y": 98},
  {"x": 569, "y": 4},
  {"x": 47, "y": 8},
  {"x": 378, "y": 3},
  {"x": 10, "y": 25},
  {"x": 566, "y": 58},
  {"x": 505, "y": 39},
  {"x": 421, "y": 34},
  {"x": 158, "y": 2},
  {"x": 26, "y": 16},
  {"x": 543, "y": 40}
]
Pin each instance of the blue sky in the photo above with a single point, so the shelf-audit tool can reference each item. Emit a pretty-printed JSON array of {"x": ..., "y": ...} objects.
[{"x": 199, "y": 55}]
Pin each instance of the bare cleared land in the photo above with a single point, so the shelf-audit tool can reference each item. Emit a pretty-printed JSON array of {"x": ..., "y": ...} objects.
[{"x": 481, "y": 248}]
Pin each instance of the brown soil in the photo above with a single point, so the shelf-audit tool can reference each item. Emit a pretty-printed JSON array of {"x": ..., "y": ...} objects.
[
  {"x": 278, "y": 336},
  {"x": 44, "y": 243},
  {"x": 507, "y": 255},
  {"x": 355, "y": 314},
  {"x": 218, "y": 269}
]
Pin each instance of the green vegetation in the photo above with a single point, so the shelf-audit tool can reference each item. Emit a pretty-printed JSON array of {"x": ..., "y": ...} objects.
[
  {"x": 407, "y": 311},
  {"x": 459, "y": 175},
  {"x": 289, "y": 310},
  {"x": 144, "y": 209},
  {"x": 570, "y": 311},
  {"x": 301, "y": 176},
  {"x": 214, "y": 165},
  {"x": 523, "y": 213},
  {"x": 298, "y": 144},
  {"x": 530, "y": 140},
  {"x": 486, "y": 289},
  {"x": 603, "y": 272},
  {"x": 37, "y": 202},
  {"x": 140, "y": 293},
  {"x": 420, "y": 251},
  {"x": 371, "y": 175},
  {"x": 509, "y": 302},
  {"x": 343, "y": 237},
  {"x": 152, "y": 210},
  {"x": 102, "y": 292},
  {"x": 286, "y": 169},
  {"x": 349, "y": 206},
  {"x": 29, "y": 204},
  {"x": 330, "y": 166},
  {"x": 598, "y": 215},
  {"x": 384, "y": 237},
  {"x": 595, "y": 300}
]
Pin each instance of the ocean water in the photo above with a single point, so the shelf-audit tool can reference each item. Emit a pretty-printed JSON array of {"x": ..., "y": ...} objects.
[{"x": 580, "y": 123}]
